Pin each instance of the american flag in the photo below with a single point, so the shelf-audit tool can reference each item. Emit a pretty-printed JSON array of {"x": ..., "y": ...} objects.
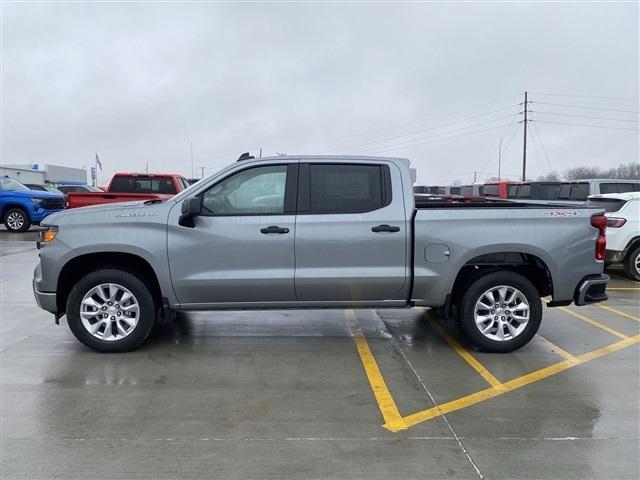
[{"x": 98, "y": 162}]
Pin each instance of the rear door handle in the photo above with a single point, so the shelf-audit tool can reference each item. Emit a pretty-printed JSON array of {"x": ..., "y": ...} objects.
[
  {"x": 273, "y": 229},
  {"x": 385, "y": 228}
]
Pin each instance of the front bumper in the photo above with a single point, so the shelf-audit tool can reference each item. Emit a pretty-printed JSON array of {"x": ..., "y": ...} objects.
[
  {"x": 592, "y": 289},
  {"x": 45, "y": 300},
  {"x": 40, "y": 214}
]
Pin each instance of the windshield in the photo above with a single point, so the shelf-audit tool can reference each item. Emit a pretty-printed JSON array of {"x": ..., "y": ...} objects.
[
  {"x": 10, "y": 185},
  {"x": 53, "y": 190},
  {"x": 91, "y": 188}
]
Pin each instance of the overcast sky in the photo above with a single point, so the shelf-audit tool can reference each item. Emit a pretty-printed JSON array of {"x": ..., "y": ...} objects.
[{"x": 139, "y": 81}]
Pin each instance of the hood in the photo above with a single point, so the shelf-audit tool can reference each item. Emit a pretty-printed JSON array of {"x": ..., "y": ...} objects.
[
  {"x": 34, "y": 194},
  {"x": 111, "y": 209}
]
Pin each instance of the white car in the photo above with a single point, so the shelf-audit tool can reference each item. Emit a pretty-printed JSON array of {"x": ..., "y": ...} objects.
[{"x": 623, "y": 229}]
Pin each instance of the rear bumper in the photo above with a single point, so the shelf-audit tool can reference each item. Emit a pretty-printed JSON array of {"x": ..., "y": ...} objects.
[{"x": 592, "y": 289}]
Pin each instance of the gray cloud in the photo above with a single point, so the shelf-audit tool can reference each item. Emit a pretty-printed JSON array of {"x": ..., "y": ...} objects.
[{"x": 139, "y": 81}]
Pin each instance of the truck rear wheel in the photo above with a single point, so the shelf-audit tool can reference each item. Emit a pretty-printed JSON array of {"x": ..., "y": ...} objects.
[
  {"x": 500, "y": 311},
  {"x": 632, "y": 264},
  {"x": 111, "y": 310},
  {"x": 16, "y": 220}
]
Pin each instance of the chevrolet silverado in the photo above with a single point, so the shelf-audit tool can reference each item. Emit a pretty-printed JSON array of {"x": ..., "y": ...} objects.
[{"x": 317, "y": 232}]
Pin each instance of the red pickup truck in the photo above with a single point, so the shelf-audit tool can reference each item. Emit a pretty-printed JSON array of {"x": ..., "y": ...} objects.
[{"x": 127, "y": 187}]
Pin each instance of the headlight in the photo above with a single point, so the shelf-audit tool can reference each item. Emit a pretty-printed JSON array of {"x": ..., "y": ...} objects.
[
  {"x": 37, "y": 201},
  {"x": 47, "y": 233}
]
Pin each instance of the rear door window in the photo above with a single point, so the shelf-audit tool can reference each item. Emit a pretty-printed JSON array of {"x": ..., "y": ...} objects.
[
  {"x": 339, "y": 188},
  {"x": 565, "y": 191},
  {"x": 143, "y": 184}
]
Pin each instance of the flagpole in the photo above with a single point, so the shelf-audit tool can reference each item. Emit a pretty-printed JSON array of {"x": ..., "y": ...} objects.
[{"x": 95, "y": 167}]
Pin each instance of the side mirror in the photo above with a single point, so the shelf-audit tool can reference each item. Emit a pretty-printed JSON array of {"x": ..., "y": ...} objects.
[{"x": 191, "y": 208}]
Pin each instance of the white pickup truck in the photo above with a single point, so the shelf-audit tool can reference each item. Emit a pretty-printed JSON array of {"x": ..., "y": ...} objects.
[{"x": 317, "y": 232}]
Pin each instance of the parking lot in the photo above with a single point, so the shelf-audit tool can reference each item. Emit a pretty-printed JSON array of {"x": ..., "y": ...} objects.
[{"x": 318, "y": 394}]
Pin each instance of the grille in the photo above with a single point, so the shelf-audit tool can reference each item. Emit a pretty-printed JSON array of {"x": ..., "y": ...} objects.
[{"x": 53, "y": 204}]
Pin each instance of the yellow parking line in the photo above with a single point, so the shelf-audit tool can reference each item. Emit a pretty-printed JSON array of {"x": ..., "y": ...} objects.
[
  {"x": 518, "y": 382},
  {"x": 557, "y": 349},
  {"x": 621, "y": 313},
  {"x": 593, "y": 322},
  {"x": 635, "y": 289},
  {"x": 386, "y": 404},
  {"x": 470, "y": 359}
]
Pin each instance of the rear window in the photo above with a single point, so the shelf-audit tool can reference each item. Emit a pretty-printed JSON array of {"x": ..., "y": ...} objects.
[
  {"x": 619, "y": 187},
  {"x": 524, "y": 191},
  {"x": 142, "y": 184},
  {"x": 336, "y": 188},
  {"x": 609, "y": 204},
  {"x": 548, "y": 191},
  {"x": 490, "y": 190}
]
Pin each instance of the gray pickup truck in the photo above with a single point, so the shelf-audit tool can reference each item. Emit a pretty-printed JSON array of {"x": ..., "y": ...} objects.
[{"x": 316, "y": 232}]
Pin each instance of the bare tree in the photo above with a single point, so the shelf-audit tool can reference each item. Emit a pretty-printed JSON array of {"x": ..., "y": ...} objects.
[
  {"x": 580, "y": 173},
  {"x": 549, "y": 177},
  {"x": 456, "y": 182}
]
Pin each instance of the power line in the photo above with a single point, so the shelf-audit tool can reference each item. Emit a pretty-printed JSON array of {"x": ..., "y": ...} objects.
[
  {"x": 438, "y": 140},
  {"x": 435, "y": 127},
  {"x": 475, "y": 107},
  {"x": 492, "y": 155},
  {"x": 584, "y": 116},
  {"x": 583, "y": 96},
  {"x": 536, "y": 131},
  {"x": 479, "y": 124},
  {"x": 586, "y": 107},
  {"x": 538, "y": 156},
  {"x": 585, "y": 125}
]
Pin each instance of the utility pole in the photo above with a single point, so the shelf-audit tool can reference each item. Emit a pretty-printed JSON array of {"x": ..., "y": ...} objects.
[
  {"x": 260, "y": 153},
  {"x": 475, "y": 174},
  {"x": 524, "y": 142},
  {"x": 146, "y": 167},
  {"x": 202, "y": 168},
  {"x": 192, "y": 172},
  {"x": 499, "y": 158}
]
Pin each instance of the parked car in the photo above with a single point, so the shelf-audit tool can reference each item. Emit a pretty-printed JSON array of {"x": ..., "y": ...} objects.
[
  {"x": 623, "y": 229},
  {"x": 126, "y": 187},
  {"x": 43, "y": 188},
  {"x": 78, "y": 189},
  {"x": 317, "y": 232},
  {"x": 496, "y": 189},
  {"x": 21, "y": 207},
  {"x": 574, "y": 192}
]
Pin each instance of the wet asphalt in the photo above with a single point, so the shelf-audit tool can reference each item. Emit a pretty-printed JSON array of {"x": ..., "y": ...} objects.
[{"x": 288, "y": 395}]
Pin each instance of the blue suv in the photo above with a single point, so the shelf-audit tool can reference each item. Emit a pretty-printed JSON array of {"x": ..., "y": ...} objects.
[{"x": 20, "y": 207}]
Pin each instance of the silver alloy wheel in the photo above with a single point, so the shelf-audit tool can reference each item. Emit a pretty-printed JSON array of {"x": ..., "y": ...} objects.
[
  {"x": 15, "y": 220},
  {"x": 109, "y": 312},
  {"x": 636, "y": 263},
  {"x": 502, "y": 313}
]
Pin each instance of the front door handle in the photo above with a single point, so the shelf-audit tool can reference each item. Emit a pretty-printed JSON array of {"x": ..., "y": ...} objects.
[
  {"x": 385, "y": 228},
  {"x": 274, "y": 229}
]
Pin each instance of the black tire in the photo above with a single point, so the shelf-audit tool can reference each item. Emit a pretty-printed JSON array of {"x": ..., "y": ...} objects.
[
  {"x": 630, "y": 268},
  {"x": 23, "y": 219},
  {"x": 474, "y": 292},
  {"x": 136, "y": 286}
]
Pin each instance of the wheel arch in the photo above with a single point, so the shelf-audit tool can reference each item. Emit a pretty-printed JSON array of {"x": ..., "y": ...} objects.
[
  {"x": 80, "y": 265},
  {"x": 530, "y": 265}
]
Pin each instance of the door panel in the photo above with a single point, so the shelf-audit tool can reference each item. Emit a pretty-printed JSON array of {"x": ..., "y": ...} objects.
[
  {"x": 241, "y": 249},
  {"x": 338, "y": 255}
]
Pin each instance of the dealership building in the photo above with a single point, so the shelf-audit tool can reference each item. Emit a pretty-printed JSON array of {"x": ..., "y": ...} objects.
[{"x": 45, "y": 174}]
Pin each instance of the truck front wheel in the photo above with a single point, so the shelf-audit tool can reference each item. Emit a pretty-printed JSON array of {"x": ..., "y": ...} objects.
[
  {"x": 111, "y": 310},
  {"x": 16, "y": 220},
  {"x": 500, "y": 312}
]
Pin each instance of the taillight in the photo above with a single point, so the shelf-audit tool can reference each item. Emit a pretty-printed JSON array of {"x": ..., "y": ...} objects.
[
  {"x": 600, "y": 222},
  {"x": 616, "y": 222}
]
